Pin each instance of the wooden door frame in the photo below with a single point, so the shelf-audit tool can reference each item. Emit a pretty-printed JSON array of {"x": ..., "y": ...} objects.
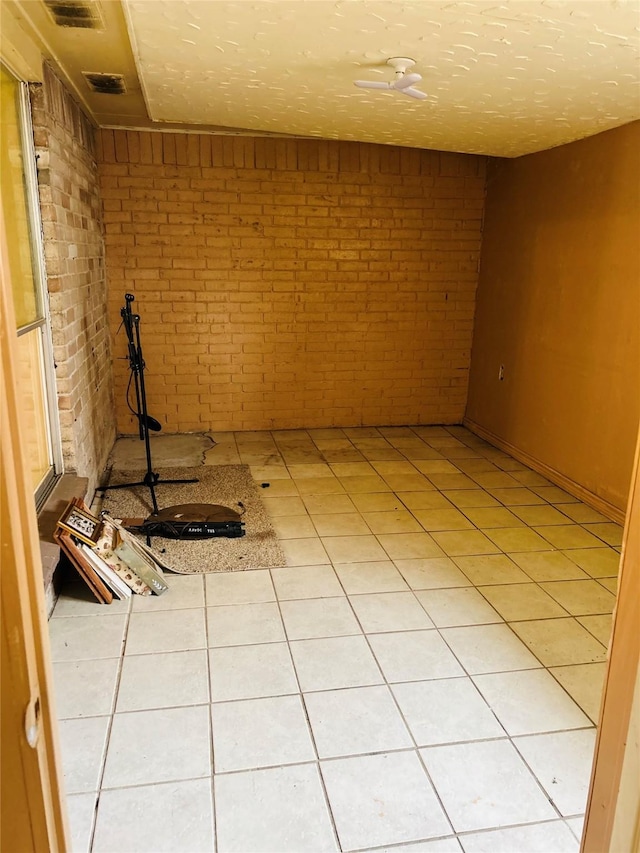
[
  {"x": 32, "y": 808},
  {"x": 613, "y": 798}
]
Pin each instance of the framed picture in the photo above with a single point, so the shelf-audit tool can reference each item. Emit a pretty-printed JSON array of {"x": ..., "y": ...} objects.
[{"x": 78, "y": 521}]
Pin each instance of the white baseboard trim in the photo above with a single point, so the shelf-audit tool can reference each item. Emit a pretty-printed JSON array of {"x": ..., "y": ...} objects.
[{"x": 600, "y": 504}]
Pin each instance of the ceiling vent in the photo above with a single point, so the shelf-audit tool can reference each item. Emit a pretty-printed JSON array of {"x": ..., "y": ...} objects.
[
  {"x": 79, "y": 14},
  {"x": 105, "y": 84}
]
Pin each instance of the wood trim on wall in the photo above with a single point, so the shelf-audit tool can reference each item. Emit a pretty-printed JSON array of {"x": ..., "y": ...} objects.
[
  {"x": 566, "y": 483},
  {"x": 605, "y": 807}
]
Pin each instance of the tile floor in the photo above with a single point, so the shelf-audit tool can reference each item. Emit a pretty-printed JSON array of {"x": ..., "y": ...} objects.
[{"x": 424, "y": 675}]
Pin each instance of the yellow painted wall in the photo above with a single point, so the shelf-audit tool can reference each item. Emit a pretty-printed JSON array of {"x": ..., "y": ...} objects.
[{"x": 558, "y": 305}]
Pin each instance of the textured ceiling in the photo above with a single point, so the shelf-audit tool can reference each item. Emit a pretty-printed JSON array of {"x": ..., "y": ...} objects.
[{"x": 503, "y": 78}]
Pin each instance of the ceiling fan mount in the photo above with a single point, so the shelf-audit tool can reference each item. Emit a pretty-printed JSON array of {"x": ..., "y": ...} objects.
[{"x": 404, "y": 83}]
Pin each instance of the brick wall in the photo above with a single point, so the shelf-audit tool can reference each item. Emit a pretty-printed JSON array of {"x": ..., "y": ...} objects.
[
  {"x": 74, "y": 258},
  {"x": 284, "y": 283}
]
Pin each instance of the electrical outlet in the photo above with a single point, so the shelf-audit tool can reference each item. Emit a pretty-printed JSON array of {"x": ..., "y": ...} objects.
[{"x": 501, "y": 373}]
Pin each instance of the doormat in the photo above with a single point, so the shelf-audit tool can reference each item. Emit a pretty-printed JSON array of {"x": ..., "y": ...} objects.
[{"x": 217, "y": 484}]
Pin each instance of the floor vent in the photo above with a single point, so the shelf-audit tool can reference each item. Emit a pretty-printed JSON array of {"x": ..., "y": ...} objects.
[
  {"x": 105, "y": 84},
  {"x": 81, "y": 14}
]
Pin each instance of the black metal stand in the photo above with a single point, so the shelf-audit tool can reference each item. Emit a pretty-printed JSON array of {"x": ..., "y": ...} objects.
[{"x": 131, "y": 323}]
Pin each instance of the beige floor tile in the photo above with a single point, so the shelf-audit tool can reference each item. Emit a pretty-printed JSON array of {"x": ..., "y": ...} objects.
[
  {"x": 284, "y": 505},
  {"x": 540, "y": 515},
  {"x": 530, "y": 478},
  {"x": 166, "y": 631},
  {"x": 607, "y": 531},
  {"x": 82, "y": 746},
  {"x": 581, "y": 598},
  {"x": 379, "y": 502},
  {"x": 390, "y": 611},
  {"x": 164, "y": 680},
  {"x": 355, "y": 721},
  {"x": 548, "y": 566},
  {"x": 304, "y": 552},
  {"x": 486, "y": 517},
  {"x": 415, "y": 453},
  {"x": 361, "y": 432},
  {"x": 446, "y": 711},
  {"x": 168, "y": 816},
  {"x": 293, "y": 527},
  {"x": 516, "y": 602},
  {"x": 452, "y": 481},
  {"x": 610, "y": 584},
  {"x": 249, "y": 672},
  {"x": 306, "y": 582},
  {"x": 489, "y": 648},
  {"x": 81, "y": 812},
  {"x": 597, "y": 562},
  {"x": 343, "y": 456},
  {"x": 332, "y": 663},
  {"x": 86, "y": 688},
  {"x": 498, "y": 480},
  {"x": 280, "y": 489},
  {"x": 326, "y": 434},
  {"x": 399, "y": 521},
  {"x": 517, "y": 497},
  {"x": 239, "y": 587},
  {"x": 560, "y": 642},
  {"x": 584, "y": 683},
  {"x": 370, "y": 577},
  {"x": 583, "y": 514},
  {"x": 268, "y": 473},
  {"x": 185, "y": 754},
  {"x": 331, "y": 442},
  {"x": 308, "y": 618},
  {"x": 357, "y": 787},
  {"x": 472, "y": 466},
  {"x": 82, "y": 638},
  {"x": 600, "y": 626},
  {"x": 424, "y": 500},
  {"x": 434, "y": 573},
  {"x": 309, "y": 471},
  {"x": 76, "y": 599},
  {"x": 398, "y": 467},
  {"x": 244, "y": 624},
  {"x": 470, "y": 498},
  {"x": 340, "y": 524},
  {"x": 413, "y": 656},
  {"x": 442, "y": 519},
  {"x": 554, "y": 495},
  {"x": 485, "y": 784},
  {"x": 562, "y": 763},
  {"x": 567, "y": 536},
  {"x": 363, "y": 485},
  {"x": 406, "y": 546},
  {"x": 491, "y": 568},
  {"x": 408, "y": 482},
  {"x": 435, "y": 466},
  {"x": 321, "y": 504},
  {"x": 185, "y": 591},
  {"x": 252, "y": 457},
  {"x": 517, "y": 539},
  {"x": 450, "y": 608},
  {"x": 530, "y": 701},
  {"x": 320, "y": 486},
  {"x": 352, "y": 469},
  {"x": 279, "y": 808},
  {"x": 465, "y": 542},
  {"x": 353, "y": 549},
  {"x": 552, "y": 835}
]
